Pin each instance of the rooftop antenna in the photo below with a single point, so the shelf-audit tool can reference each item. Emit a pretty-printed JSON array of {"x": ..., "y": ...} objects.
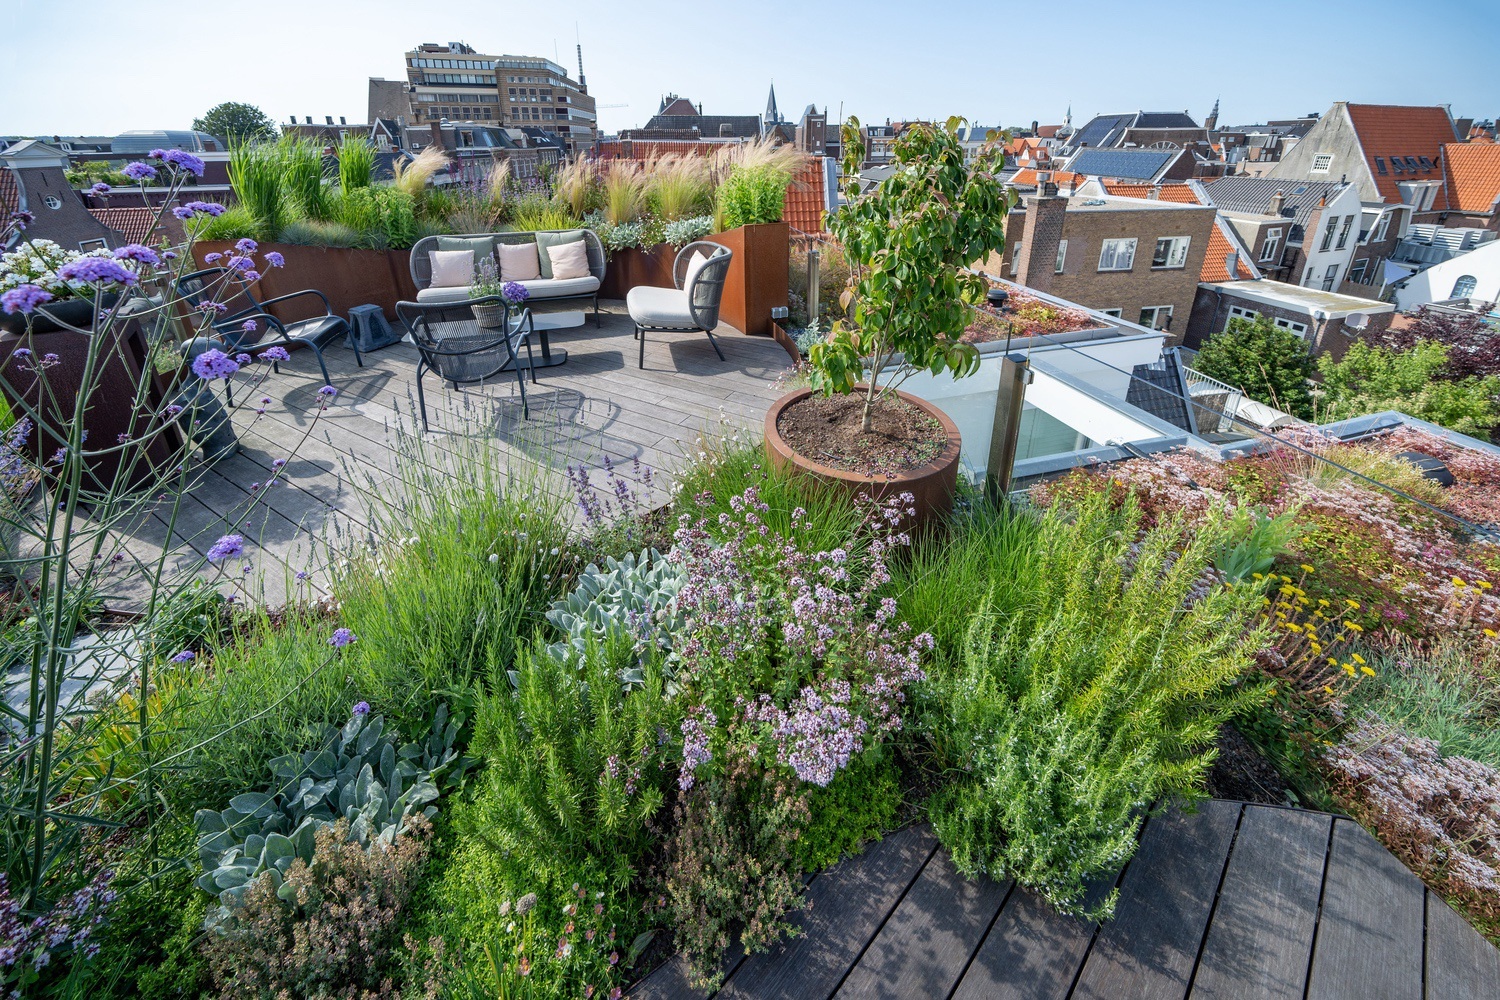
[{"x": 582, "y": 80}]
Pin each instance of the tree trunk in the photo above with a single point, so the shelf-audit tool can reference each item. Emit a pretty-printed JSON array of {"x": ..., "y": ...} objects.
[{"x": 869, "y": 415}]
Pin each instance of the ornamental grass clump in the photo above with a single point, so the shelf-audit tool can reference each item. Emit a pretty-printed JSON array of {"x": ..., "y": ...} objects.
[{"x": 1089, "y": 692}]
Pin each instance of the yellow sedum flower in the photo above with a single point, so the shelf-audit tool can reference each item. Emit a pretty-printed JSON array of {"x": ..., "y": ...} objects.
[{"x": 1459, "y": 583}]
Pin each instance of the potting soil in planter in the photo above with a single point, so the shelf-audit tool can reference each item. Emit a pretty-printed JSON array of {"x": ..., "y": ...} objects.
[{"x": 830, "y": 431}]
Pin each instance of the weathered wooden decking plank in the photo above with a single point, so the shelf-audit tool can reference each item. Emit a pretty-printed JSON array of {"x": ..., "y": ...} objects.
[
  {"x": 846, "y": 906},
  {"x": 1150, "y": 947},
  {"x": 1369, "y": 941},
  {"x": 1461, "y": 964},
  {"x": 926, "y": 944},
  {"x": 1261, "y": 936},
  {"x": 1032, "y": 952}
]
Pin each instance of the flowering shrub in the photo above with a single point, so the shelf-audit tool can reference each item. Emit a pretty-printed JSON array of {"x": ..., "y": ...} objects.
[
  {"x": 523, "y": 958},
  {"x": 794, "y": 644},
  {"x": 40, "y": 263},
  {"x": 1440, "y": 815},
  {"x": 332, "y": 929}
]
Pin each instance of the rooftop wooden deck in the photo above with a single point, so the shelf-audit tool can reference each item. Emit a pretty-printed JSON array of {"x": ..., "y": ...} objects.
[
  {"x": 598, "y": 403},
  {"x": 1236, "y": 901}
]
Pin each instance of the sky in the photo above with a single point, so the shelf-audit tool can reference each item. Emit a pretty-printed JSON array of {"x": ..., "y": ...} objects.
[{"x": 156, "y": 64}]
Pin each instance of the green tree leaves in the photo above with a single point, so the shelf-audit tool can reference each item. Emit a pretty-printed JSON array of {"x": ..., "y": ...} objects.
[
  {"x": 909, "y": 241},
  {"x": 1269, "y": 363},
  {"x": 236, "y": 122}
]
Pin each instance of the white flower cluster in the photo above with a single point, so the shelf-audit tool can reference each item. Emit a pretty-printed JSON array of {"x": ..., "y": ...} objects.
[{"x": 36, "y": 262}]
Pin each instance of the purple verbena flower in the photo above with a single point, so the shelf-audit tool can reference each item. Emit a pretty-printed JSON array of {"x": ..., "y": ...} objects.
[
  {"x": 214, "y": 363},
  {"x": 275, "y": 354},
  {"x": 242, "y": 359},
  {"x": 23, "y": 299},
  {"x": 137, "y": 252},
  {"x": 182, "y": 213},
  {"x": 186, "y": 656},
  {"x": 97, "y": 270},
  {"x": 186, "y": 162},
  {"x": 328, "y": 391},
  {"x": 22, "y": 218},
  {"x": 212, "y": 258},
  {"x": 246, "y": 246},
  {"x": 275, "y": 259},
  {"x": 226, "y": 547},
  {"x": 100, "y": 189},
  {"x": 139, "y": 171},
  {"x": 362, "y": 708}
]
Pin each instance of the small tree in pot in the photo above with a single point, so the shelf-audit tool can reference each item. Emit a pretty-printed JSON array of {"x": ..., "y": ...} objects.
[{"x": 909, "y": 241}]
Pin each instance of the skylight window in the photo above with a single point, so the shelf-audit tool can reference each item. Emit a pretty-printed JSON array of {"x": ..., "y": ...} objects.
[
  {"x": 1426, "y": 163},
  {"x": 1396, "y": 165},
  {"x": 1380, "y": 165},
  {"x": 1411, "y": 164}
]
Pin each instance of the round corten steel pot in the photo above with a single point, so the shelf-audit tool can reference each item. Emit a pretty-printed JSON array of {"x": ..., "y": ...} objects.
[{"x": 933, "y": 485}]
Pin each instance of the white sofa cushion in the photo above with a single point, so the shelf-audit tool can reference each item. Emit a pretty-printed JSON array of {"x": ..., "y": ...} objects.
[
  {"x": 542, "y": 288},
  {"x": 518, "y": 262},
  {"x": 438, "y": 294},
  {"x": 452, "y": 268},
  {"x": 660, "y": 307},
  {"x": 570, "y": 260},
  {"x": 694, "y": 265},
  {"x": 554, "y": 288}
]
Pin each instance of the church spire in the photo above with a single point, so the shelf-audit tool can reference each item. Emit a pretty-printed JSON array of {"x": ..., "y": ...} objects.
[{"x": 772, "y": 115}]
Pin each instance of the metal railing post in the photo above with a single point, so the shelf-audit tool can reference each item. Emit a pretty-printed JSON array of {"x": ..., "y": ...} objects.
[
  {"x": 813, "y": 268},
  {"x": 1010, "y": 400}
]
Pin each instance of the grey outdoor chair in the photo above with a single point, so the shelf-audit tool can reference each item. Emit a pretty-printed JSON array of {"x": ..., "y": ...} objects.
[
  {"x": 678, "y": 310},
  {"x": 467, "y": 353},
  {"x": 229, "y": 333}
]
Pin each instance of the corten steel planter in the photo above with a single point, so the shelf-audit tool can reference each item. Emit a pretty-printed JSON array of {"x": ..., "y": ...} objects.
[
  {"x": 109, "y": 413},
  {"x": 932, "y": 485},
  {"x": 627, "y": 269},
  {"x": 347, "y": 276},
  {"x": 757, "y": 280}
]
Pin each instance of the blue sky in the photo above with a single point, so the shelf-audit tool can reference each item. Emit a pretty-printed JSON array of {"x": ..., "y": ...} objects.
[{"x": 155, "y": 64}]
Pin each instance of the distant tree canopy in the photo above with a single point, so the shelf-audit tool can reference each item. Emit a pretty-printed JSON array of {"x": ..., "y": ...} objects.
[
  {"x": 1271, "y": 364},
  {"x": 236, "y": 122}
]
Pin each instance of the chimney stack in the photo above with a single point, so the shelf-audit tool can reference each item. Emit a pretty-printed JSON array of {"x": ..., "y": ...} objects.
[
  {"x": 1045, "y": 216},
  {"x": 309, "y": 119},
  {"x": 328, "y": 119},
  {"x": 1277, "y": 201},
  {"x": 341, "y": 120}
]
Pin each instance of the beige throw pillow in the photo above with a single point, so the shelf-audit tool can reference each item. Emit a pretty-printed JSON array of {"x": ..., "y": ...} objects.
[
  {"x": 519, "y": 262},
  {"x": 694, "y": 265},
  {"x": 452, "y": 268},
  {"x": 571, "y": 260}
]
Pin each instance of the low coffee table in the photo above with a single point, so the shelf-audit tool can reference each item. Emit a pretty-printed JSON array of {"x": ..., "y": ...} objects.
[{"x": 541, "y": 323}]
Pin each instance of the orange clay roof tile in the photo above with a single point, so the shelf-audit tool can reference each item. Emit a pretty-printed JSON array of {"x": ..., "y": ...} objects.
[
  {"x": 1472, "y": 174},
  {"x": 1387, "y": 130}
]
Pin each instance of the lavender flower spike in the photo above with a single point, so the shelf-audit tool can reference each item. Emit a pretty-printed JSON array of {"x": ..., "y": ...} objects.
[{"x": 341, "y": 637}]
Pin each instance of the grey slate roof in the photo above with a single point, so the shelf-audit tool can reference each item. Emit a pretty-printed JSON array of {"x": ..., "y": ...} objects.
[
  {"x": 1129, "y": 164},
  {"x": 1252, "y": 196},
  {"x": 740, "y": 126}
]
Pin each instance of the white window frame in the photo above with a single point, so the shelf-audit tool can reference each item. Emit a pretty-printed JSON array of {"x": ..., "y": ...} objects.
[
  {"x": 1473, "y": 287},
  {"x": 1177, "y": 251},
  {"x": 1015, "y": 260},
  {"x": 1381, "y": 228},
  {"x": 1330, "y": 281},
  {"x": 1322, "y": 163},
  {"x": 1062, "y": 257},
  {"x": 1357, "y": 270},
  {"x": 1114, "y": 250},
  {"x": 1156, "y": 315},
  {"x": 1240, "y": 312},
  {"x": 1116, "y": 313},
  {"x": 1300, "y": 329},
  {"x": 1328, "y": 234},
  {"x": 1271, "y": 248}
]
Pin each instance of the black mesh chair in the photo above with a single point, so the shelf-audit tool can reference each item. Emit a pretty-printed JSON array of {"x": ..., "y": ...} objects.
[
  {"x": 220, "y": 285},
  {"x": 692, "y": 305},
  {"x": 461, "y": 352}
]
